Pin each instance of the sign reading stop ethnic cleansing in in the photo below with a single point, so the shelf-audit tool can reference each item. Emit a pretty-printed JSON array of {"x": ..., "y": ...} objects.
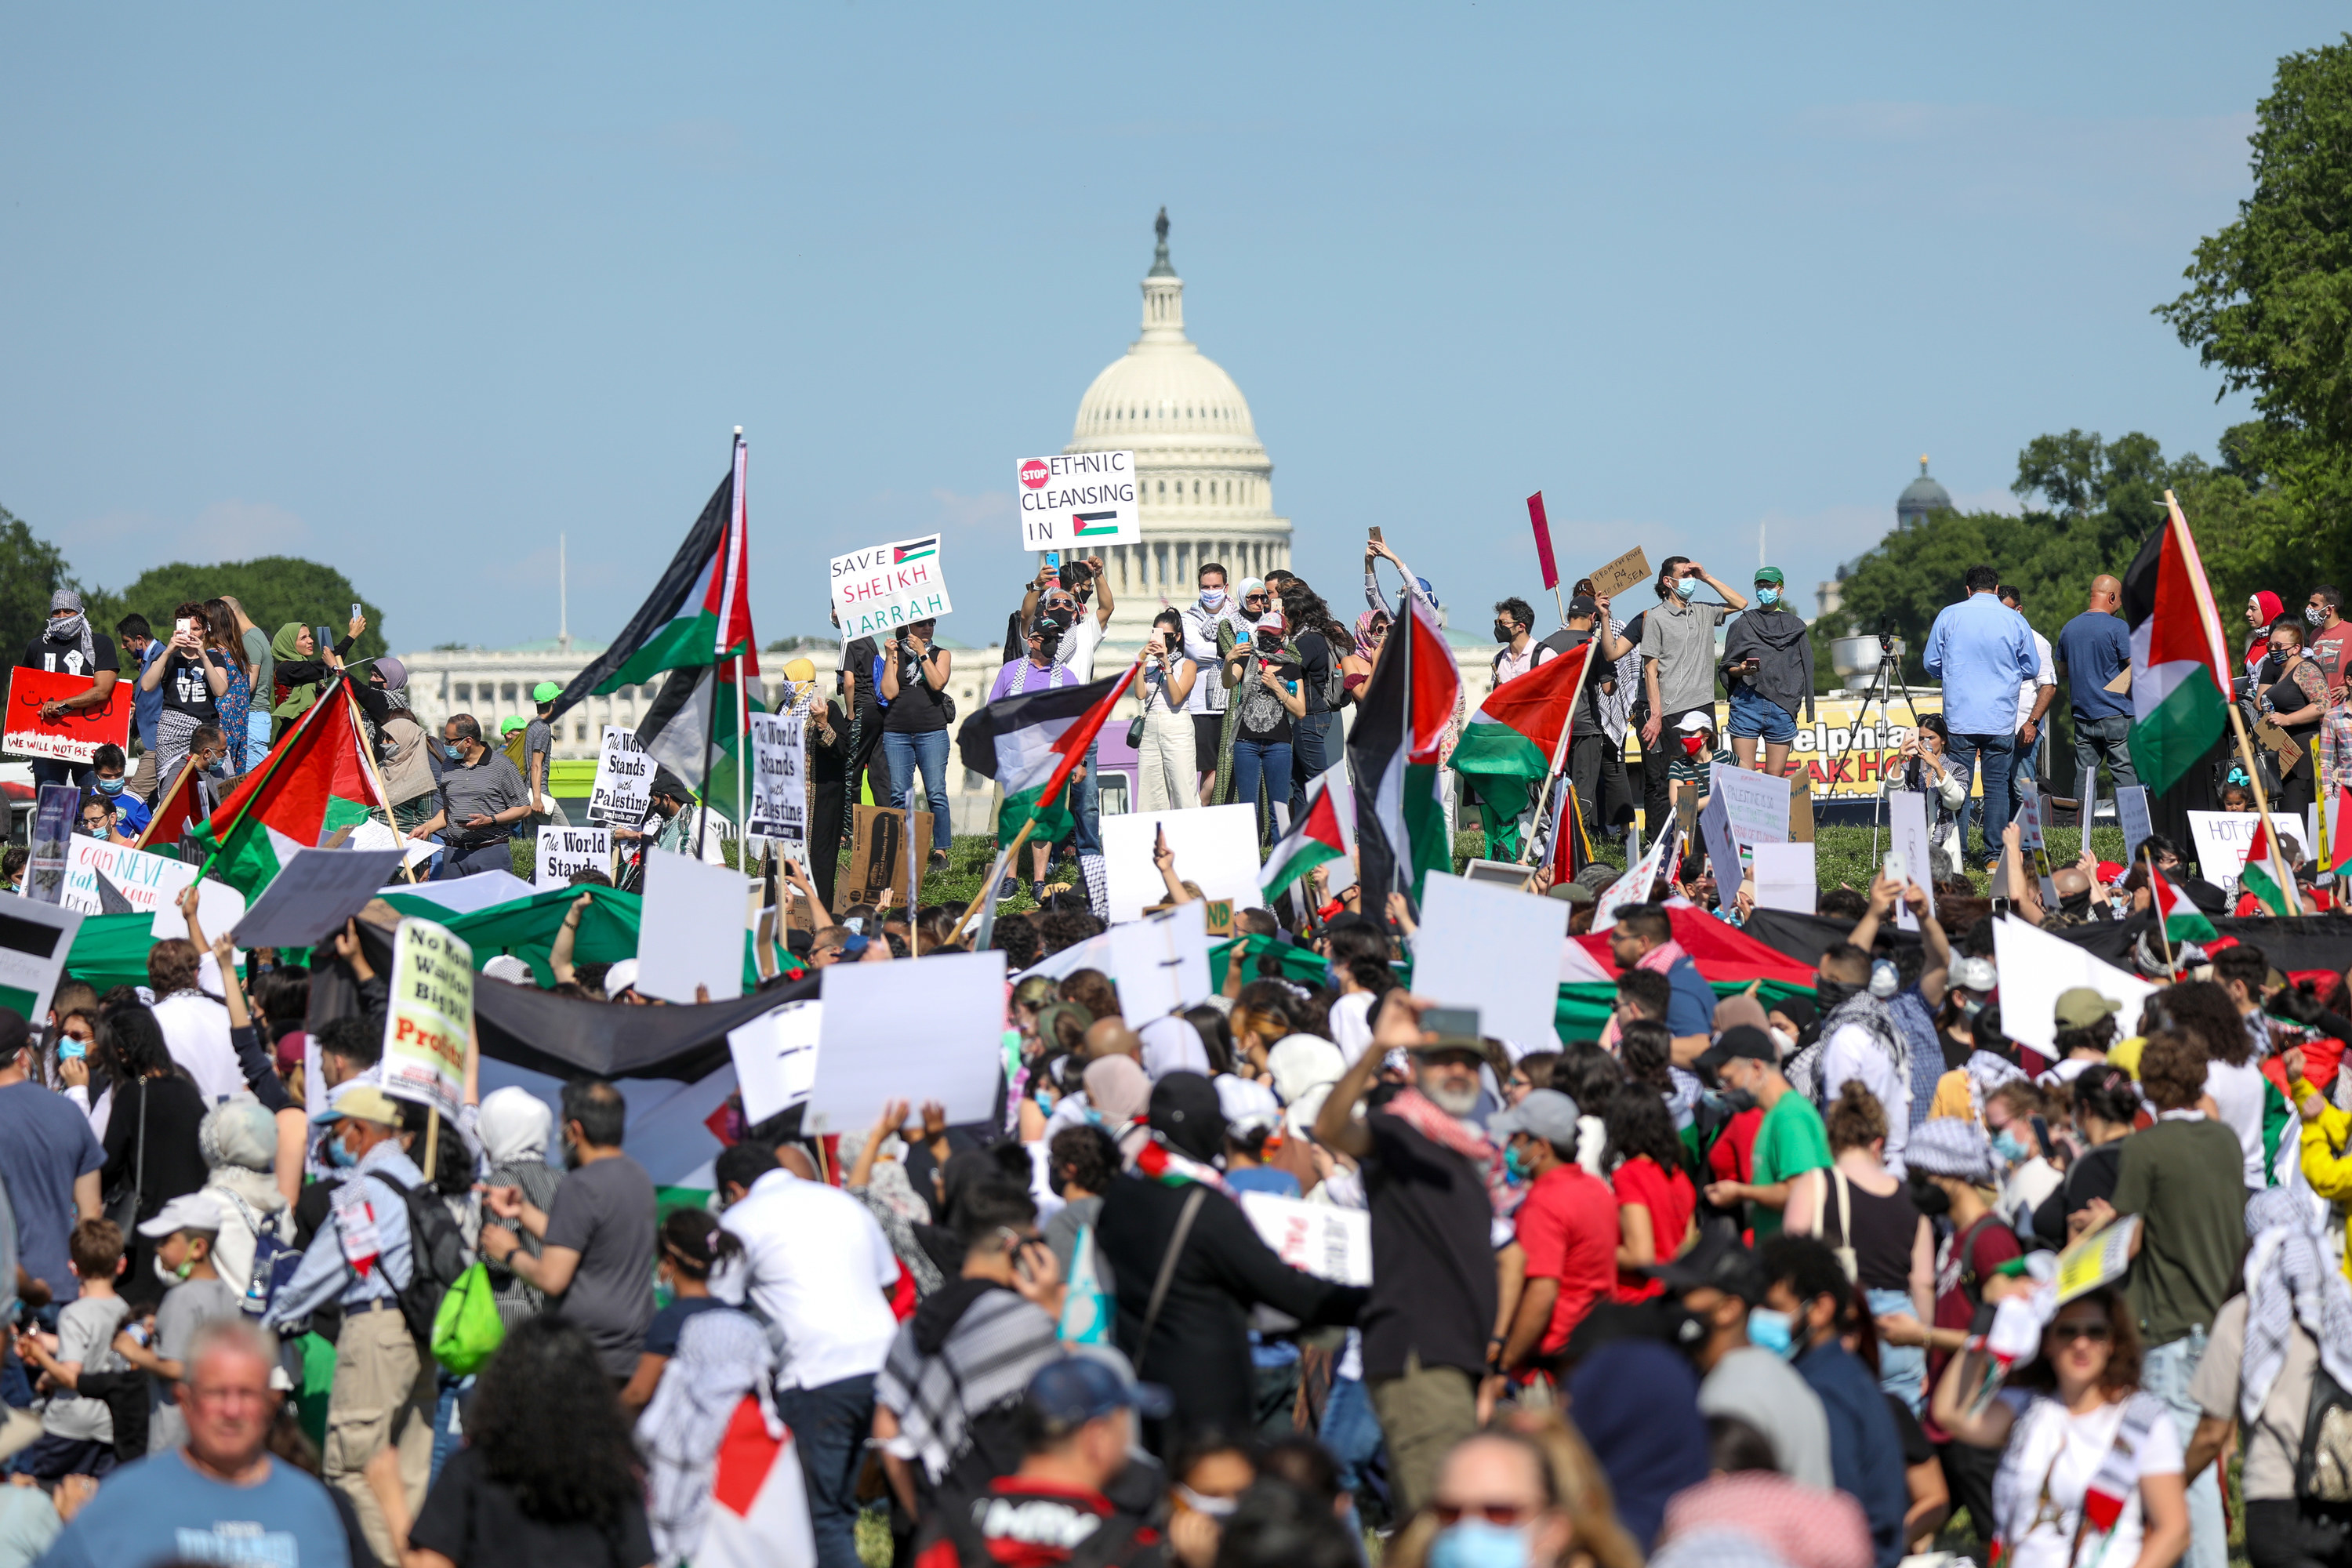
[
  {"x": 1078, "y": 501},
  {"x": 431, "y": 1016},
  {"x": 886, "y": 586}
]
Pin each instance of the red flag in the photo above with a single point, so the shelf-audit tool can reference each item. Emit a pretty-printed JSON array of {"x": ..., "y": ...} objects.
[{"x": 1543, "y": 539}]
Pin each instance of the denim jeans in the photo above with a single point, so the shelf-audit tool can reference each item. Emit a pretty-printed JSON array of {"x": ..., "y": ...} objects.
[
  {"x": 1086, "y": 804},
  {"x": 1996, "y": 753},
  {"x": 1267, "y": 760},
  {"x": 49, "y": 771},
  {"x": 2165, "y": 1372},
  {"x": 928, "y": 750},
  {"x": 1902, "y": 1369},
  {"x": 1352, "y": 1435},
  {"x": 1310, "y": 753},
  {"x": 830, "y": 1424},
  {"x": 2096, "y": 739}
]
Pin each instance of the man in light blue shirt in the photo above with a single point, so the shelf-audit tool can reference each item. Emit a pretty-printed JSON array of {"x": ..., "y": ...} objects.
[{"x": 1982, "y": 650}]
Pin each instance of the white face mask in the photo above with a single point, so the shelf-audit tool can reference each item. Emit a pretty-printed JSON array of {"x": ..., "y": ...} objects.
[
  {"x": 1783, "y": 1041},
  {"x": 1211, "y": 598}
]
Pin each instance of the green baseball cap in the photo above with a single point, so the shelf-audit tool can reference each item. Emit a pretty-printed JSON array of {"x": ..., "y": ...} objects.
[
  {"x": 548, "y": 692},
  {"x": 511, "y": 725},
  {"x": 1769, "y": 574}
]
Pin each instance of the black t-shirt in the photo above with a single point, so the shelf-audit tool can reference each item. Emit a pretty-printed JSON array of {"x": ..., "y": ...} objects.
[
  {"x": 1567, "y": 639},
  {"x": 828, "y": 759},
  {"x": 918, "y": 710},
  {"x": 66, "y": 656},
  {"x": 1257, "y": 702},
  {"x": 1434, "y": 1289},
  {"x": 661, "y": 1334},
  {"x": 857, "y": 659},
  {"x": 1315, "y": 668},
  {"x": 185, "y": 688},
  {"x": 472, "y": 1520}
]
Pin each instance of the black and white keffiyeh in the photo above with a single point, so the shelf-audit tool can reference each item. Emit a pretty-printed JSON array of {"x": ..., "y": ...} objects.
[
  {"x": 2289, "y": 1283},
  {"x": 986, "y": 1360},
  {"x": 722, "y": 1356}
]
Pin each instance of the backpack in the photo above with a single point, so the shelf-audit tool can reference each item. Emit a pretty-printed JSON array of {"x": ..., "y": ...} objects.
[
  {"x": 436, "y": 1256},
  {"x": 1335, "y": 678},
  {"x": 274, "y": 1262}
]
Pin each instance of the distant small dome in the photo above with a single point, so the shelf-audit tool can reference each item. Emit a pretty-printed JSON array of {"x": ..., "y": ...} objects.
[{"x": 1921, "y": 499}]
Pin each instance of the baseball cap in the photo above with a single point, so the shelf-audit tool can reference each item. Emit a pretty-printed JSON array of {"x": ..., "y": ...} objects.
[
  {"x": 15, "y": 1034},
  {"x": 189, "y": 1211},
  {"x": 2079, "y": 1007},
  {"x": 1696, "y": 719},
  {"x": 1272, "y": 621},
  {"x": 1545, "y": 1113},
  {"x": 1570, "y": 893},
  {"x": 2109, "y": 872},
  {"x": 1582, "y": 605},
  {"x": 1716, "y": 1259},
  {"x": 1741, "y": 1041},
  {"x": 620, "y": 978},
  {"x": 506, "y": 966},
  {"x": 1067, "y": 1393},
  {"x": 1975, "y": 975},
  {"x": 546, "y": 691},
  {"x": 516, "y": 723},
  {"x": 362, "y": 1101},
  {"x": 1769, "y": 574}
]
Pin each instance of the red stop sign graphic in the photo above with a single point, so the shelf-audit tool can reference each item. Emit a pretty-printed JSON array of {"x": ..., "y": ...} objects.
[{"x": 1033, "y": 473}]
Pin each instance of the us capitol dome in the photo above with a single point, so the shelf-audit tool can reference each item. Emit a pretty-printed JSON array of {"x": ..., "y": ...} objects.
[{"x": 1207, "y": 483}]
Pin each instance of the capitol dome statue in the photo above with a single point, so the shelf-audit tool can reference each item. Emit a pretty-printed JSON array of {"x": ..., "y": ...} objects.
[
  {"x": 1207, "y": 483},
  {"x": 1922, "y": 498}
]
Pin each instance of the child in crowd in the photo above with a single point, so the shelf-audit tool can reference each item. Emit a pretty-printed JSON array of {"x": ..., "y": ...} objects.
[
  {"x": 185, "y": 1235},
  {"x": 77, "y": 1428}
]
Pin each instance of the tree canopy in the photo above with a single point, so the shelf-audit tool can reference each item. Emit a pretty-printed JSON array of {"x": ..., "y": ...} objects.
[{"x": 30, "y": 571}]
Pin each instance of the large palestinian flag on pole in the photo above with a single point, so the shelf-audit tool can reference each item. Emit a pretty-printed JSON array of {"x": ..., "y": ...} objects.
[
  {"x": 1393, "y": 755},
  {"x": 1030, "y": 744},
  {"x": 2180, "y": 663},
  {"x": 1508, "y": 746},
  {"x": 316, "y": 780}
]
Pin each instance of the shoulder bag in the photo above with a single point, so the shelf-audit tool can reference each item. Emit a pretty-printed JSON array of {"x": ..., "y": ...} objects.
[
  {"x": 123, "y": 1207},
  {"x": 1191, "y": 1212}
]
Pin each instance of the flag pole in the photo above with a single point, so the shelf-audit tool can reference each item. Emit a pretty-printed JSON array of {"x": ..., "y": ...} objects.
[
  {"x": 2262, "y": 800},
  {"x": 2149, "y": 859},
  {"x": 1559, "y": 757},
  {"x": 368, "y": 757}
]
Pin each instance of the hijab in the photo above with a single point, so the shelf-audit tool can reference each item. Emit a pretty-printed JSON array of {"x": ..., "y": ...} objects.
[
  {"x": 285, "y": 649},
  {"x": 1365, "y": 646},
  {"x": 238, "y": 1140},
  {"x": 1173, "y": 1045},
  {"x": 514, "y": 1124},
  {"x": 1118, "y": 1088},
  {"x": 2273, "y": 608}
]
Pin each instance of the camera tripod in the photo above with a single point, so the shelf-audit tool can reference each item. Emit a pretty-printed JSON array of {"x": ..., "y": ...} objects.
[{"x": 1883, "y": 685}]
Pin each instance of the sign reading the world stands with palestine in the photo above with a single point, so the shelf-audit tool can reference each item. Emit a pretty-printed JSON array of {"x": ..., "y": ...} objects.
[
  {"x": 1078, "y": 501},
  {"x": 879, "y": 589}
]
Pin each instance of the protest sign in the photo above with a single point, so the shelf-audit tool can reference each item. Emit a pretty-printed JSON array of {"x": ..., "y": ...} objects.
[
  {"x": 2033, "y": 845},
  {"x": 2100, "y": 1258},
  {"x": 1784, "y": 878},
  {"x": 775, "y": 1058},
  {"x": 1495, "y": 951},
  {"x": 375, "y": 835},
  {"x": 1542, "y": 525},
  {"x": 1906, "y": 821},
  {"x": 54, "y": 813},
  {"x": 2222, "y": 839},
  {"x": 1630, "y": 569},
  {"x": 429, "y": 1015},
  {"x": 1634, "y": 886},
  {"x": 779, "y": 783},
  {"x": 1215, "y": 849},
  {"x": 624, "y": 790},
  {"x": 219, "y": 909},
  {"x": 2035, "y": 967},
  {"x": 1322, "y": 1239},
  {"x": 77, "y": 735},
  {"x": 882, "y": 1037},
  {"x": 886, "y": 586},
  {"x": 314, "y": 893},
  {"x": 879, "y": 854},
  {"x": 691, "y": 931},
  {"x": 34, "y": 938},
  {"x": 2132, "y": 816},
  {"x": 1754, "y": 805},
  {"x": 1078, "y": 501},
  {"x": 563, "y": 853},
  {"x": 1161, "y": 962},
  {"x": 104, "y": 879},
  {"x": 1722, "y": 852}
]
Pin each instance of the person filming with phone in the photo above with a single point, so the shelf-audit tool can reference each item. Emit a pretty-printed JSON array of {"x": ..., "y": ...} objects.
[
  {"x": 192, "y": 679},
  {"x": 1168, "y": 749},
  {"x": 912, "y": 684}
]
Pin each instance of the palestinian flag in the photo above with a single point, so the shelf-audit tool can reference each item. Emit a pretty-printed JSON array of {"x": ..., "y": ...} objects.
[
  {"x": 315, "y": 780},
  {"x": 180, "y": 807},
  {"x": 914, "y": 550},
  {"x": 2335, "y": 833},
  {"x": 1392, "y": 755},
  {"x": 2266, "y": 874},
  {"x": 1508, "y": 747},
  {"x": 2183, "y": 922},
  {"x": 700, "y": 612},
  {"x": 1030, "y": 744},
  {"x": 758, "y": 1515},
  {"x": 701, "y": 712},
  {"x": 2181, "y": 665},
  {"x": 1326, "y": 830}
]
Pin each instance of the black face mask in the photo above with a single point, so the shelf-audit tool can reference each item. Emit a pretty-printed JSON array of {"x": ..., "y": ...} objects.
[
  {"x": 1504, "y": 631},
  {"x": 1927, "y": 1197},
  {"x": 1047, "y": 641},
  {"x": 1828, "y": 993},
  {"x": 2274, "y": 666}
]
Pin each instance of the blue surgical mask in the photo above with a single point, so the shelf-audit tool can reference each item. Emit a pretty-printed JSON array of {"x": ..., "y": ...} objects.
[
  {"x": 1685, "y": 587},
  {"x": 1768, "y": 597},
  {"x": 1514, "y": 1164},
  {"x": 1772, "y": 1331},
  {"x": 111, "y": 786},
  {"x": 338, "y": 1155},
  {"x": 1047, "y": 1099},
  {"x": 454, "y": 749},
  {"x": 2005, "y": 1144},
  {"x": 1476, "y": 1542}
]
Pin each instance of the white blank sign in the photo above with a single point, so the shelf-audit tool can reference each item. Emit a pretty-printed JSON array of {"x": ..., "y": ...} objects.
[
  {"x": 2035, "y": 967},
  {"x": 1784, "y": 878},
  {"x": 1161, "y": 962},
  {"x": 1493, "y": 950},
  {"x": 691, "y": 931},
  {"x": 1215, "y": 848},
  {"x": 912, "y": 1029},
  {"x": 775, "y": 1058}
]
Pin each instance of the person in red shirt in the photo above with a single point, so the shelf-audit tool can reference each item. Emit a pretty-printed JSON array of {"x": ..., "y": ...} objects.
[
  {"x": 2327, "y": 640},
  {"x": 1655, "y": 1200},
  {"x": 1566, "y": 1227}
]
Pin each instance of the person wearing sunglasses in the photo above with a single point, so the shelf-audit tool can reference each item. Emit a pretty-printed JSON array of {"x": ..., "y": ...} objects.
[
  {"x": 1494, "y": 1508},
  {"x": 2071, "y": 1414}
]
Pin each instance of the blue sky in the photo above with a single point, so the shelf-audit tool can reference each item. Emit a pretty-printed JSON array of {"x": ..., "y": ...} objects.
[{"x": 415, "y": 291}]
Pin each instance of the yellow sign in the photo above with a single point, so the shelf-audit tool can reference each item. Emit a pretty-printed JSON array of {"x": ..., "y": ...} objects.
[
  {"x": 2099, "y": 1258},
  {"x": 1845, "y": 758}
]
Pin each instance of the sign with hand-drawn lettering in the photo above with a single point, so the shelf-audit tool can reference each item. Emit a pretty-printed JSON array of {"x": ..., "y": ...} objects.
[{"x": 886, "y": 586}]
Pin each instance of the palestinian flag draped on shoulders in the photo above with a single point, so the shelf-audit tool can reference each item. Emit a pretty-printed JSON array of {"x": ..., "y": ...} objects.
[
  {"x": 2181, "y": 665},
  {"x": 316, "y": 780},
  {"x": 1393, "y": 755},
  {"x": 1031, "y": 744},
  {"x": 1508, "y": 747},
  {"x": 695, "y": 627}
]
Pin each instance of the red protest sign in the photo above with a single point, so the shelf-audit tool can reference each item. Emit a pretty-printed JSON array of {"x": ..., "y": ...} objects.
[
  {"x": 77, "y": 736},
  {"x": 1543, "y": 539}
]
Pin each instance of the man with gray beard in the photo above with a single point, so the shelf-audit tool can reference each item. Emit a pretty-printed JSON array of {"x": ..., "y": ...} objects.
[{"x": 1428, "y": 1176}]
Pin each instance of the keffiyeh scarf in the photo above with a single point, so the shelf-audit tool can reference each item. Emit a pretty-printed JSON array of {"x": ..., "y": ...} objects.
[
  {"x": 1434, "y": 1123},
  {"x": 2288, "y": 1283},
  {"x": 723, "y": 1357}
]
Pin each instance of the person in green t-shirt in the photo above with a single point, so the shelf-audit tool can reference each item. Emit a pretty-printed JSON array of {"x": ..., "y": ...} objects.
[{"x": 1792, "y": 1147}]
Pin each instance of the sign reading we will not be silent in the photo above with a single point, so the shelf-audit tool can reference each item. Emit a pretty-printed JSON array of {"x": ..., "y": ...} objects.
[
  {"x": 1078, "y": 501},
  {"x": 887, "y": 586}
]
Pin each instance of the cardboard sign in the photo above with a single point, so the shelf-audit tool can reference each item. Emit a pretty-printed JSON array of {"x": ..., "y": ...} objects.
[
  {"x": 1495, "y": 951},
  {"x": 775, "y": 1058},
  {"x": 104, "y": 879},
  {"x": 1078, "y": 501},
  {"x": 313, "y": 894},
  {"x": 76, "y": 737},
  {"x": 879, "y": 856},
  {"x": 1906, "y": 819},
  {"x": 624, "y": 790},
  {"x": 34, "y": 939},
  {"x": 54, "y": 815},
  {"x": 1785, "y": 878},
  {"x": 2222, "y": 839},
  {"x": 430, "y": 1015},
  {"x": 691, "y": 933},
  {"x": 2100, "y": 1258},
  {"x": 885, "y": 587},
  {"x": 1161, "y": 962},
  {"x": 779, "y": 783},
  {"x": 889, "y": 1033},
  {"x": 1322, "y": 1239},
  {"x": 2035, "y": 967},
  {"x": 563, "y": 853},
  {"x": 1215, "y": 849},
  {"x": 1630, "y": 569}
]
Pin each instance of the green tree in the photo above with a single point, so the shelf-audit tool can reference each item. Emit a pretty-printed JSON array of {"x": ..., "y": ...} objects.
[
  {"x": 274, "y": 590},
  {"x": 30, "y": 571}
]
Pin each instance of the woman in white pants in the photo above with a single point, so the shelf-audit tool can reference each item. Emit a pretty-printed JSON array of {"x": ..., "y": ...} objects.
[{"x": 1165, "y": 759}]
